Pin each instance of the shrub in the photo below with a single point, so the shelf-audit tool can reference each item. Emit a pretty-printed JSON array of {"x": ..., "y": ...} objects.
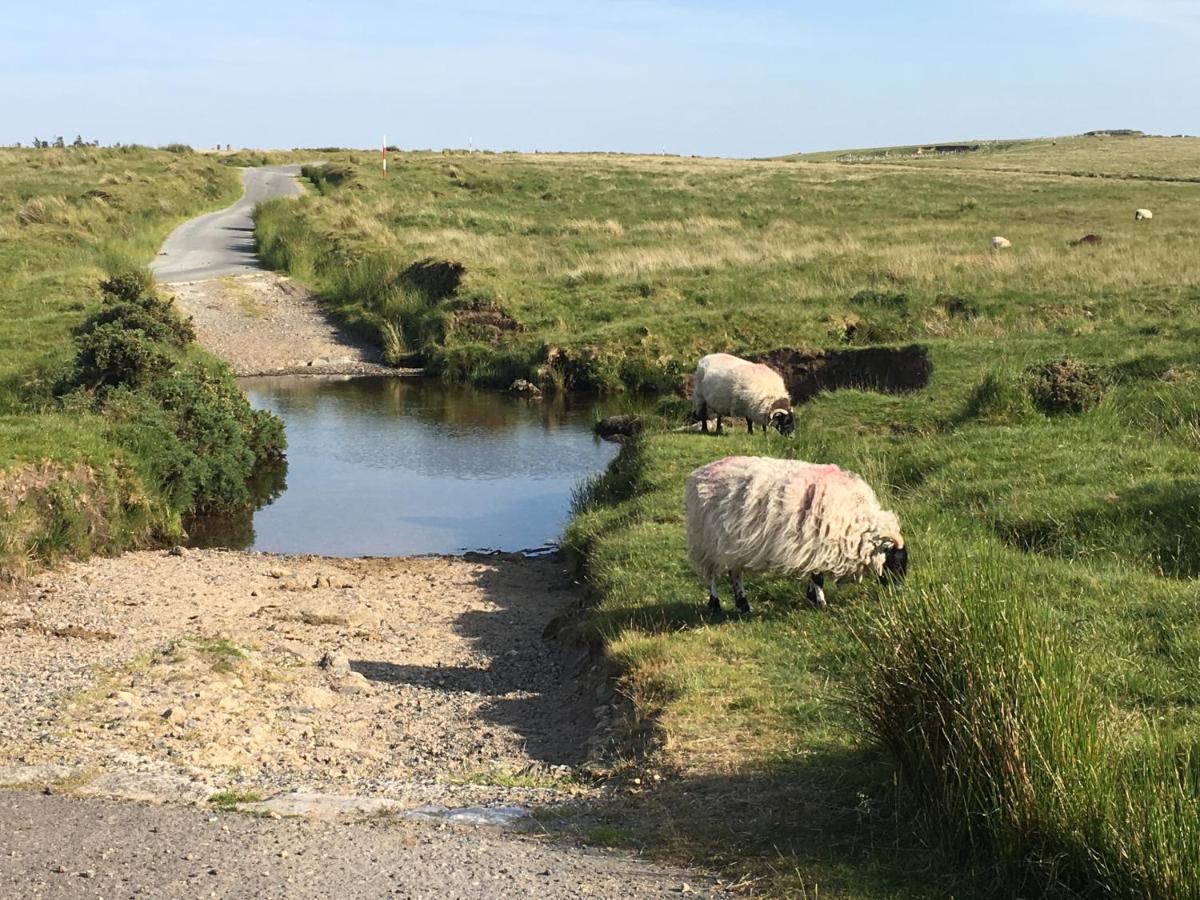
[
  {"x": 188, "y": 423},
  {"x": 1065, "y": 386},
  {"x": 201, "y": 440},
  {"x": 153, "y": 316},
  {"x": 179, "y": 148},
  {"x": 129, "y": 283},
  {"x": 110, "y": 355}
]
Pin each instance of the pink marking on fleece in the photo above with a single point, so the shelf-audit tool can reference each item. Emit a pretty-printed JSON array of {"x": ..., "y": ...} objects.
[
  {"x": 820, "y": 475},
  {"x": 715, "y": 469}
]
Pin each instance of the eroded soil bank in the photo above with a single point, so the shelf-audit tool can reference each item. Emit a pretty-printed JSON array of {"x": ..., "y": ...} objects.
[{"x": 176, "y": 674}]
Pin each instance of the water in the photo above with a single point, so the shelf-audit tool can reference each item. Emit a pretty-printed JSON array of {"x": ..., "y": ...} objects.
[{"x": 390, "y": 466}]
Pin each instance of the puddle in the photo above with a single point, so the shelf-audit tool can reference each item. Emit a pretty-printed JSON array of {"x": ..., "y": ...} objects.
[{"x": 398, "y": 467}]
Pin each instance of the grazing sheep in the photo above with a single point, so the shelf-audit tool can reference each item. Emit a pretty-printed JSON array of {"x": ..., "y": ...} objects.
[
  {"x": 1141, "y": 215},
  {"x": 1001, "y": 243},
  {"x": 761, "y": 514},
  {"x": 1091, "y": 238},
  {"x": 727, "y": 385}
]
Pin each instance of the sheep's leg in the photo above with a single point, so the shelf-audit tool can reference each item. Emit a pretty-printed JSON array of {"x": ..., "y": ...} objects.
[
  {"x": 750, "y": 426},
  {"x": 713, "y": 603},
  {"x": 720, "y": 426},
  {"x": 816, "y": 592},
  {"x": 739, "y": 592},
  {"x": 703, "y": 414}
]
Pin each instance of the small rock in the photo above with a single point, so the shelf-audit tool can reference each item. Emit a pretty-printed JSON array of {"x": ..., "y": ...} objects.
[
  {"x": 335, "y": 664},
  {"x": 522, "y": 386},
  {"x": 177, "y": 551},
  {"x": 353, "y": 683}
]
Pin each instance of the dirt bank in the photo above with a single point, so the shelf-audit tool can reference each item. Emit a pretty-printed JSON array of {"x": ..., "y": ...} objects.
[
  {"x": 420, "y": 680},
  {"x": 267, "y": 324}
]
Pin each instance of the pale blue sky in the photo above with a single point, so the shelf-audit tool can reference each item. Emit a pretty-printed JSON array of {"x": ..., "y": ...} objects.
[{"x": 756, "y": 78}]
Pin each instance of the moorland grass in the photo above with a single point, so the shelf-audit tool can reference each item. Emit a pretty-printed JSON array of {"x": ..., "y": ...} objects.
[
  {"x": 630, "y": 267},
  {"x": 1020, "y": 719}
]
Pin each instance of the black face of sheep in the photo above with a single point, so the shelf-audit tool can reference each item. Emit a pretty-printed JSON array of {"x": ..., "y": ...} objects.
[
  {"x": 895, "y": 565},
  {"x": 784, "y": 421}
]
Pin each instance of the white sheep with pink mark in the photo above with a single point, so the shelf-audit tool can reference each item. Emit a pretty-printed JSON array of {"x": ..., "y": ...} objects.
[
  {"x": 727, "y": 385},
  {"x": 754, "y": 513}
]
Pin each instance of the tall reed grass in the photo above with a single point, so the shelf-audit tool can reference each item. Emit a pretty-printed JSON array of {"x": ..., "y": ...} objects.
[{"x": 1010, "y": 758}]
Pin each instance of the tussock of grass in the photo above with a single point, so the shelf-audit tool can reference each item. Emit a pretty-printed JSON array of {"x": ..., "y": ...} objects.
[{"x": 1011, "y": 754}]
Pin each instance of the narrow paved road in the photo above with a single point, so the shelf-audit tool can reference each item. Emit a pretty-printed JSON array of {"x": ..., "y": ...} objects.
[
  {"x": 66, "y": 847},
  {"x": 222, "y": 243}
]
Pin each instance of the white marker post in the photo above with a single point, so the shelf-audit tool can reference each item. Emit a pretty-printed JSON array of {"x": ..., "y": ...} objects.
[{"x": 383, "y": 152}]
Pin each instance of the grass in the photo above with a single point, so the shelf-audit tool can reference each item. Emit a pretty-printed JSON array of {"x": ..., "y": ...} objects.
[
  {"x": 231, "y": 800},
  {"x": 618, "y": 269},
  {"x": 1020, "y": 719}
]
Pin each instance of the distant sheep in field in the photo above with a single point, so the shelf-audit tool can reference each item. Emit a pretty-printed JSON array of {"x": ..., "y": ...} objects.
[
  {"x": 727, "y": 385},
  {"x": 753, "y": 513},
  {"x": 1142, "y": 215},
  {"x": 1001, "y": 243}
]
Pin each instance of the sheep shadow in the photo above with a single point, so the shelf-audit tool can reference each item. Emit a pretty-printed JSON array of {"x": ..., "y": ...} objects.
[{"x": 539, "y": 688}]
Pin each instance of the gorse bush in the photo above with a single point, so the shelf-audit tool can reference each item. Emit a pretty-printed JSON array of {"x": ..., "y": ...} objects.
[
  {"x": 153, "y": 316},
  {"x": 1066, "y": 386},
  {"x": 110, "y": 355},
  {"x": 129, "y": 283},
  {"x": 196, "y": 435}
]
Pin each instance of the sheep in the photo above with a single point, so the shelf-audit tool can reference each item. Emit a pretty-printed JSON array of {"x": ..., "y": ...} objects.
[
  {"x": 754, "y": 513},
  {"x": 1001, "y": 243},
  {"x": 1141, "y": 215},
  {"x": 730, "y": 386}
]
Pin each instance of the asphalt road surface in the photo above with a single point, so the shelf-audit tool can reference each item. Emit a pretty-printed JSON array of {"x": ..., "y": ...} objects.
[
  {"x": 55, "y": 846},
  {"x": 222, "y": 243}
]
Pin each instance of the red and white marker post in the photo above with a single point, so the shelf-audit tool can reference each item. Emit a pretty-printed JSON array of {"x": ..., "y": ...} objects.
[{"x": 383, "y": 151}]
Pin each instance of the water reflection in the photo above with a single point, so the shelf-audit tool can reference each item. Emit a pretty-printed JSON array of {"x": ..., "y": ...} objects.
[{"x": 385, "y": 466}]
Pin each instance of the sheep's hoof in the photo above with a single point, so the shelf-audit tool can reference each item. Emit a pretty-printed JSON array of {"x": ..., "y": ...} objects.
[
  {"x": 714, "y": 604},
  {"x": 742, "y": 606}
]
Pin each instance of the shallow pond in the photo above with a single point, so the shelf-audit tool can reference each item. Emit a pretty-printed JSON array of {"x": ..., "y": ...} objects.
[{"x": 396, "y": 466}]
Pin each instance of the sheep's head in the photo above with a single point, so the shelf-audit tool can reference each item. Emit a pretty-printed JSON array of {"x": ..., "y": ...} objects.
[
  {"x": 893, "y": 563},
  {"x": 784, "y": 421}
]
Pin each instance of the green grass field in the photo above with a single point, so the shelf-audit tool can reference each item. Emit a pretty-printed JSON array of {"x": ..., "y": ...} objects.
[{"x": 1021, "y": 719}]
